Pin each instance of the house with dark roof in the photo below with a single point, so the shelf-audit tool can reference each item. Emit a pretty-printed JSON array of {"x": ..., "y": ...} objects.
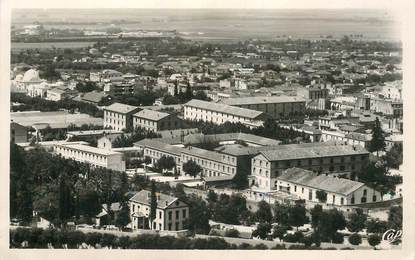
[
  {"x": 155, "y": 120},
  {"x": 171, "y": 213},
  {"x": 305, "y": 184},
  {"x": 119, "y": 116}
]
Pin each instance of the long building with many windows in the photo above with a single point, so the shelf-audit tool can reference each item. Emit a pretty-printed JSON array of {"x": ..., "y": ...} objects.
[
  {"x": 339, "y": 191},
  {"x": 275, "y": 106},
  {"x": 317, "y": 157},
  {"x": 91, "y": 155},
  {"x": 198, "y": 110}
]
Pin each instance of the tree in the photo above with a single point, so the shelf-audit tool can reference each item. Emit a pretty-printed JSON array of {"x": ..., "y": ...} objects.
[
  {"x": 394, "y": 157},
  {"x": 297, "y": 216},
  {"x": 279, "y": 231},
  {"x": 153, "y": 203},
  {"x": 355, "y": 239},
  {"x": 166, "y": 162},
  {"x": 321, "y": 195},
  {"x": 316, "y": 214},
  {"x": 328, "y": 223},
  {"x": 199, "y": 215},
  {"x": 262, "y": 230},
  {"x": 211, "y": 196},
  {"x": 281, "y": 214},
  {"x": 263, "y": 214},
  {"x": 192, "y": 168},
  {"x": 357, "y": 221},
  {"x": 123, "y": 217},
  {"x": 378, "y": 138},
  {"x": 201, "y": 95},
  {"x": 376, "y": 226},
  {"x": 374, "y": 240},
  {"x": 395, "y": 217}
]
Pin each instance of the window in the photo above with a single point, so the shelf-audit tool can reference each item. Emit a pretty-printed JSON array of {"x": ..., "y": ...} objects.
[
  {"x": 159, "y": 214},
  {"x": 352, "y": 200},
  {"x": 170, "y": 215},
  {"x": 302, "y": 190},
  {"x": 364, "y": 192},
  {"x": 374, "y": 198},
  {"x": 363, "y": 200},
  {"x": 341, "y": 201},
  {"x": 177, "y": 214},
  {"x": 184, "y": 213},
  {"x": 295, "y": 188},
  {"x": 169, "y": 226}
]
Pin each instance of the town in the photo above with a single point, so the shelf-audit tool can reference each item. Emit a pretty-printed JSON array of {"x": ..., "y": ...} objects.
[{"x": 149, "y": 140}]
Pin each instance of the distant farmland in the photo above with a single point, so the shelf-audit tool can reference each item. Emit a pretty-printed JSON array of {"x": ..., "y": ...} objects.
[{"x": 18, "y": 46}]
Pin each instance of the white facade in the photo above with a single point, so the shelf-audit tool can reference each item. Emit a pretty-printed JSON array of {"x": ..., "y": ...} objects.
[
  {"x": 91, "y": 155},
  {"x": 171, "y": 213}
]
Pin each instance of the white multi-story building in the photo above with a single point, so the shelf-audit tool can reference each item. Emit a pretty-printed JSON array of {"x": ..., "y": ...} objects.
[
  {"x": 171, "y": 213},
  {"x": 91, "y": 155},
  {"x": 333, "y": 158},
  {"x": 119, "y": 116},
  {"x": 339, "y": 191},
  {"x": 275, "y": 106},
  {"x": 155, "y": 121},
  {"x": 217, "y": 113}
]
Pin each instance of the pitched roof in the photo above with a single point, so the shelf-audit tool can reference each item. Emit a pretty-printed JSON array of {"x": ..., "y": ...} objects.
[
  {"x": 87, "y": 148},
  {"x": 261, "y": 100},
  {"x": 121, "y": 108},
  {"x": 226, "y": 109},
  {"x": 155, "y": 144},
  {"x": 94, "y": 96},
  {"x": 320, "y": 182},
  {"x": 163, "y": 201},
  {"x": 289, "y": 152},
  {"x": 151, "y": 114}
]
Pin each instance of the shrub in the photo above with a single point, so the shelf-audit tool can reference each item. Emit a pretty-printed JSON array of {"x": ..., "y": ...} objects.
[
  {"x": 279, "y": 246},
  {"x": 294, "y": 238},
  {"x": 307, "y": 241},
  {"x": 297, "y": 247},
  {"x": 355, "y": 239},
  {"x": 374, "y": 240},
  {"x": 337, "y": 238},
  {"x": 232, "y": 233},
  {"x": 245, "y": 246},
  {"x": 260, "y": 246}
]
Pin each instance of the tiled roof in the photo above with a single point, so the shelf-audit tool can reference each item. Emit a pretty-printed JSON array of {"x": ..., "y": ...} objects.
[
  {"x": 289, "y": 152},
  {"x": 121, "y": 108},
  {"x": 89, "y": 149},
  {"x": 151, "y": 115},
  {"x": 261, "y": 100},
  {"x": 222, "y": 108},
  {"x": 320, "y": 182},
  {"x": 202, "y": 153},
  {"x": 157, "y": 145},
  {"x": 94, "y": 96},
  {"x": 143, "y": 197}
]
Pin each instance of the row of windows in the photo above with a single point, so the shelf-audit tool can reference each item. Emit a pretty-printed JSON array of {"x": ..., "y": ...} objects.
[
  {"x": 205, "y": 163},
  {"x": 114, "y": 115},
  {"x": 84, "y": 155},
  {"x": 292, "y": 163},
  {"x": 189, "y": 112}
]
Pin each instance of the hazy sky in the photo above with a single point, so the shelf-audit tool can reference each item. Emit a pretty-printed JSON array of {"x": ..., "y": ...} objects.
[{"x": 387, "y": 4}]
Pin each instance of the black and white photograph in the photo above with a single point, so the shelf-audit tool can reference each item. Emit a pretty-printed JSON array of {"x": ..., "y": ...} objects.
[{"x": 206, "y": 126}]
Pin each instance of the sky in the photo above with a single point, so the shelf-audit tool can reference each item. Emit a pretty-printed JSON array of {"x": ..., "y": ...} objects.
[{"x": 244, "y": 4}]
